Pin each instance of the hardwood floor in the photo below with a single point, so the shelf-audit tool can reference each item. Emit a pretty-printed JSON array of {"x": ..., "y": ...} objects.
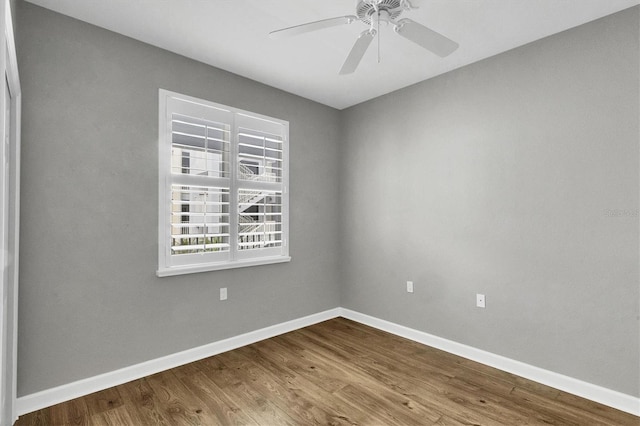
[{"x": 336, "y": 373}]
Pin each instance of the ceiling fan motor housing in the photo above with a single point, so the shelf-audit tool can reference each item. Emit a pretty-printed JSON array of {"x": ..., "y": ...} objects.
[{"x": 365, "y": 9}]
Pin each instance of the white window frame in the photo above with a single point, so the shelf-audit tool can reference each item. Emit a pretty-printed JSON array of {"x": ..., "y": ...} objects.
[{"x": 168, "y": 264}]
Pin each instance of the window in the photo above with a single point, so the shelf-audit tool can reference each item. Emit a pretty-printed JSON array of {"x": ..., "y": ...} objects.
[{"x": 223, "y": 178}]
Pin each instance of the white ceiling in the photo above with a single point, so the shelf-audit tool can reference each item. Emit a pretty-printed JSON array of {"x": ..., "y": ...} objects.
[{"x": 233, "y": 35}]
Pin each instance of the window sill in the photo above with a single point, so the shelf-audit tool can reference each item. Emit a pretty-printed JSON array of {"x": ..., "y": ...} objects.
[{"x": 207, "y": 267}]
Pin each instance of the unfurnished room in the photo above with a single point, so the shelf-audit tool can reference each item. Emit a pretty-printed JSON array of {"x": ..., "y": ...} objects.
[{"x": 336, "y": 212}]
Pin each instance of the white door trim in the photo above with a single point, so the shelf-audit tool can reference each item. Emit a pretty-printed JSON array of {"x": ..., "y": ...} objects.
[{"x": 11, "y": 216}]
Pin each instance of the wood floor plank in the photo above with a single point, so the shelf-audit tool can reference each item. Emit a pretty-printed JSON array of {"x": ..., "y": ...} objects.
[
  {"x": 179, "y": 403},
  {"x": 281, "y": 394},
  {"x": 226, "y": 409},
  {"x": 336, "y": 373},
  {"x": 492, "y": 400},
  {"x": 37, "y": 418},
  {"x": 568, "y": 413},
  {"x": 607, "y": 414},
  {"x": 301, "y": 366},
  {"x": 309, "y": 391},
  {"x": 446, "y": 421},
  {"x": 74, "y": 412},
  {"x": 102, "y": 401},
  {"x": 356, "y": 377},
  {"x": 114, "y": 417},
  {"x": 384, "y": 368},
  {"x": 142, "y": 403},
  {"x": 331, "y": 361},
  {"x": 442, "y": 394},
  {"x": 255, "y": 405},
  {"x": 488, "y": 397}
]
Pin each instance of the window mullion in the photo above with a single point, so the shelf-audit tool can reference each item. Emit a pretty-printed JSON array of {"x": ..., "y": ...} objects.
[{"x": 233, "y": 190}]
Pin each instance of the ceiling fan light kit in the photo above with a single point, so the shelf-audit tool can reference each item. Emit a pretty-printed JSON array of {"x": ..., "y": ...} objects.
[{"x": 372, "y": 13}]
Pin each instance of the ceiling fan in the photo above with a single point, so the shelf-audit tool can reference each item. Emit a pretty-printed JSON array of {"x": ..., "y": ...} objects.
[{"x": 372, "y": 13}]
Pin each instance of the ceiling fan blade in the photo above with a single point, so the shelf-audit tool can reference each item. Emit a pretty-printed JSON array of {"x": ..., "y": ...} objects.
[
  {"x": 357, "y": 51},
  {"x": 426, "y": 38},
  {"x": 312, "y": 26}
]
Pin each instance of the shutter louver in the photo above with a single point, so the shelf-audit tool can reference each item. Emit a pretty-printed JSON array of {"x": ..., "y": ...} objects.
[
  {"x": 199, "y": 147},
  {"x": 199, "y": 219},
  {"x": 260, "y": 156},
  {"x": 260, "y": 219}
]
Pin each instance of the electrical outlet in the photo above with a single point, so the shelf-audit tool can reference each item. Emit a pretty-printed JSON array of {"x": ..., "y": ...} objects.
[
  {"x": 409, "y": 286},
  {"x": 480, "y": 300},
  {"x": 223, "y": 293}
]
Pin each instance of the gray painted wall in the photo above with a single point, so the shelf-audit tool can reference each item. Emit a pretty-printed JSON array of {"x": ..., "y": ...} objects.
[
  {"x": 89, "y": 298},
  {"x": 499, "y": 178}
]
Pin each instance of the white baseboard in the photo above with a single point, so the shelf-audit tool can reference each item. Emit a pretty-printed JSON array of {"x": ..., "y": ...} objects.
[
  {"x": 28, "y": 403},
  {"x": 46, "y": 398},
  {"x": 611, "y": 398}
]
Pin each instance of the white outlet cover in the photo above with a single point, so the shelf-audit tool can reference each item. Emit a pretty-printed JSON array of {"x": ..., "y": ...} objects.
[
  {"x": 409, "y": 286},
  {"x": 480, "y": 300},
  {"x": 223, "y": 293}
]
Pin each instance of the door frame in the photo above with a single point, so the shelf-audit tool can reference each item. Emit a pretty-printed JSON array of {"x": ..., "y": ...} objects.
[{"x": 10, "y": 205}]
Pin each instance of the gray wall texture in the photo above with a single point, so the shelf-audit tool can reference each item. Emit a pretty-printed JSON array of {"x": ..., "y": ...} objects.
[
  {"x": 90, "y": 301},
  {"x": 516, "y": 177}
]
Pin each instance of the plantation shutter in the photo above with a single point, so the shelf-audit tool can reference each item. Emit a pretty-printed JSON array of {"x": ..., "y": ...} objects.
[
  {"x": 261, "y": 209},
  {"x": 200, "y": 183},
  {"x": 225, "y": 186}
]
